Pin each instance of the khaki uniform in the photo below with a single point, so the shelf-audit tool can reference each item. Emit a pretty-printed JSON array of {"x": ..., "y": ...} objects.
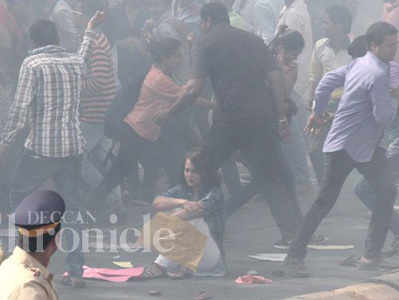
[{"x": 22, "y": 277}]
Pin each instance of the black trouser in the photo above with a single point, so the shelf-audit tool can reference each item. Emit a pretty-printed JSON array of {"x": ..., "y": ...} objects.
[
  {"x": 338, "y": 167},
  {"x": 152, "y": 155},
  {"x": 260, "y": 148},
  {"x": 31, "y": 173},
  {"x": 132, "y": 150}
]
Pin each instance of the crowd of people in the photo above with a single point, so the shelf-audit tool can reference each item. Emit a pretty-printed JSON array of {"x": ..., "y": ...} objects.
[{"x": 118, "y": 94}]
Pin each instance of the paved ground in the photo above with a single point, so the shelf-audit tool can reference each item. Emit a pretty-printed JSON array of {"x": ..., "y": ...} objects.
[{"x": 250, "y": 231}]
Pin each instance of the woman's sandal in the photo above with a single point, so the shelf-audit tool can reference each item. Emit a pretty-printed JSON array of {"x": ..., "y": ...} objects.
[
  {"x": 152, "y": 272},
  {"x": 183, "y": 273}
]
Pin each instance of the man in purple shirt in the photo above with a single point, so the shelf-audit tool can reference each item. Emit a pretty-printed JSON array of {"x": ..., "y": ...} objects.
[{"x": 365, "y": 110}]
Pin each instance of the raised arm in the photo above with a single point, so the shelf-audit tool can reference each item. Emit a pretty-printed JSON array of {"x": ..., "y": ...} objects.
[
  {"x": 331, "y": 81},
  {"x": 89, "y": 38}
]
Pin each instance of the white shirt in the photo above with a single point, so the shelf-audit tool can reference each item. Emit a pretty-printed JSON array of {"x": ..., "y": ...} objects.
[
  {"x": 262, "y": 15},
  {"x": 296, "y": 17}
]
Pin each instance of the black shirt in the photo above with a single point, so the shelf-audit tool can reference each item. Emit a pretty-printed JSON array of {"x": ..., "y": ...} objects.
[{"x": 237, "y": 62}]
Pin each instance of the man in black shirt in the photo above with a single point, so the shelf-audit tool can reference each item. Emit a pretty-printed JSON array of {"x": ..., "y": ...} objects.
[{"x": 250, "y": 97}]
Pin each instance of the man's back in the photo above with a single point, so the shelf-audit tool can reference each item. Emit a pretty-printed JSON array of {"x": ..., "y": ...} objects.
[
  {"x": 237, "y": 63},
  {"x": 49, "y": 93}
]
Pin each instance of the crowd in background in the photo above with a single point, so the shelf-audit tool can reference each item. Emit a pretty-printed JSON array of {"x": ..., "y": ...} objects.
[{"x": 116, "y": 118}]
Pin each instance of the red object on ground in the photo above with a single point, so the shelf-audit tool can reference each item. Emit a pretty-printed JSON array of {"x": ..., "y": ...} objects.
[{"x": 253, "y": 279}]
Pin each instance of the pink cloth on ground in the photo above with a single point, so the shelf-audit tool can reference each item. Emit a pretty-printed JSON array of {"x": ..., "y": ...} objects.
[{"x": 112, "y": 275}]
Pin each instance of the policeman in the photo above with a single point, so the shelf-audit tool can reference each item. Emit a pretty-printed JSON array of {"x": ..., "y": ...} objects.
[{"x": 24, "y": 274}]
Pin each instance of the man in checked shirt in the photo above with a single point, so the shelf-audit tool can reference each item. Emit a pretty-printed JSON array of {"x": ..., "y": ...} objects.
[{"x": 47, "y": 102}]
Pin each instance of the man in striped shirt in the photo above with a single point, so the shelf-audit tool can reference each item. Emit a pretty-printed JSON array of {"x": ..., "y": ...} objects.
[
  {"x": 99, "y": 89},
  {"x": 47, "y": 104}
]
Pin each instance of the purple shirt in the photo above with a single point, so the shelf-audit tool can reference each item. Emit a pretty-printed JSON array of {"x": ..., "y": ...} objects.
[{"x": 365, "y": 109}]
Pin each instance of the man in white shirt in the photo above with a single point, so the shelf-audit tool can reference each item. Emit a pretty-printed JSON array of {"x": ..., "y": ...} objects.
[
  {"x": 262, "y": 15},
  {"x": 295, "y": 15}
]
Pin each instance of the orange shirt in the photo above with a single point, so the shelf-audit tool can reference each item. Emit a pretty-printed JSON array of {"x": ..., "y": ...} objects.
[{"x": 158, "y": 95}]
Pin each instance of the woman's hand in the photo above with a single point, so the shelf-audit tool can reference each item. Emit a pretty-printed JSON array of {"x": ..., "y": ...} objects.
[{"x": 192, "y": 207}]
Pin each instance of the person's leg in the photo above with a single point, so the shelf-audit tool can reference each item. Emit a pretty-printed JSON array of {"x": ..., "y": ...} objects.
[
  {"x": 67, "y": 183},
  {"x": 125, "y": 163},
  {"x": 294, "y": 149},
  {"x": 218, "y": 148},
  {"x": 273, "y": 177},
  {"x": 365, "y": 192},
  {"x": 316, "y": 154},
  {"x": 317, "y": 160},
  {"x": 338, "y": 166},
  {"x": 31, "y": 173},
  {"x": 93, "y": 133},
  {"x": 231, "y": 177},
  {"x": 379, "y": 175}
]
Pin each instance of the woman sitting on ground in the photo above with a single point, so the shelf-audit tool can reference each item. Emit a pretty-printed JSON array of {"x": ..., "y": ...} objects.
[{"x": 199, "y": 201}]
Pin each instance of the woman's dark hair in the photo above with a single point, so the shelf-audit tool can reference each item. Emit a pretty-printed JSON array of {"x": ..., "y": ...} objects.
[
  {"x": 340, "y": 15},
  {"x": 358, "y": 48},
  {"x": 215, "y": 11},
  {"x": 209, "y": 175},
  {"x": 34, "y": 244},
  {"x": 163, "y": 47},
  {"x": 44, "y": 33},
  {"x": 378, "y": 31},
  {"x": 290, "y": 40}
]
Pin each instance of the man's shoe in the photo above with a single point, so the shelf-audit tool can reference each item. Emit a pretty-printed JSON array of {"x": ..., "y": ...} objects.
[{"x": 283, "y": 244}]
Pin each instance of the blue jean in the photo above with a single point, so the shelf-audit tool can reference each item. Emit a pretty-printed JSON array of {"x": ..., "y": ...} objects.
[
  {"x": 93, "y": 134},
  {"x": 294, "y": 149}
]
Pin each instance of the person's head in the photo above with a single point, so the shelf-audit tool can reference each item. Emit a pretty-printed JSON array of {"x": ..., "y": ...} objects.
[
  {"x": 288, "y": 45},
  {"x": 358, "y": 48},
  {"x": 44, "y": 33},
  {"x": 198, "y": 173},
  {"x": 212, "y": 14},
  {"x": 38, "y": 219},
  {"x": 166, "y": 51},
  {"x": 45, "y": 245},
  {"x": 382, "y": 40},
  {"x": 337, "y": 21}
]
